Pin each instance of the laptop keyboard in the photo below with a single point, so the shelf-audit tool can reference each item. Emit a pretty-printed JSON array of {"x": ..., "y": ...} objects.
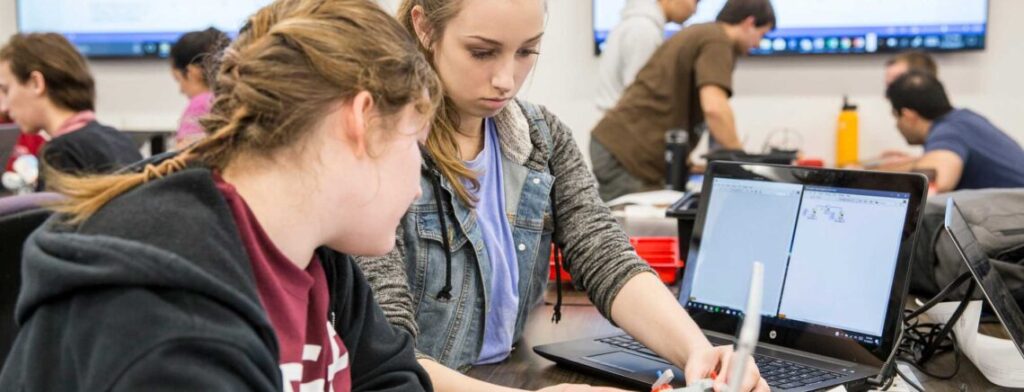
[
  {"x": 785, "y": 374},
  {"x": 779, "y": 373},
  {"x": 627, "y": 342}
]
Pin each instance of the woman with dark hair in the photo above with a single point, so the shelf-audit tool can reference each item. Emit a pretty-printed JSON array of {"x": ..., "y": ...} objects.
[{"x": 191, "y": 60}]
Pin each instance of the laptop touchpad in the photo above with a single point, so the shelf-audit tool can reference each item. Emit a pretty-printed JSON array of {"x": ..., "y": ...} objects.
[{"x": 628, "y": 362}]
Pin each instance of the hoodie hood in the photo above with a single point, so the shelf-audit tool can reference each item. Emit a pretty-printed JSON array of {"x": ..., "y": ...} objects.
[
  {"x": 204, "y": 255},
  {"x": 156, "y": 291},
  {"x": 647, "y": 9}
]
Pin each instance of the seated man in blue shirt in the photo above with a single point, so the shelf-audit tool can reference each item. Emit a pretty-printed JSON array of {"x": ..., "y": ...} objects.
[{"x": 964, "y": 149}]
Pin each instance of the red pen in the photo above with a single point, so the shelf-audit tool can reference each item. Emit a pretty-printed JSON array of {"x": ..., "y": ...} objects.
[{"x": 714, "y": 375}]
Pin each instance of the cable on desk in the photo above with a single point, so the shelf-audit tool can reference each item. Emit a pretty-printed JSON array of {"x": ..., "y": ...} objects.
[
  {"x": 888, "y": 384},
  {"x": 914, "y": 338},
  {"x": 917, "y": 336},
  {"x": 921, "y": 342},
  {"x": 908, "y": 381}
]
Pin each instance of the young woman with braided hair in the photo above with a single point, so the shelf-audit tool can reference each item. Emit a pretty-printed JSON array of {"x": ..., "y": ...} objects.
[{"x": 224, "y": 268}]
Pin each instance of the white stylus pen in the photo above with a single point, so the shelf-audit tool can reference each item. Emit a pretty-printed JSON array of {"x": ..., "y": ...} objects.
[
  {"x": 747, "y": 341},
  {"x": 750, "y": 331}
]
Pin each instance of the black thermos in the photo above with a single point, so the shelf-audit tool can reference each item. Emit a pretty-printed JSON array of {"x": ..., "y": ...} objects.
[{"x": 677, "y": 153}]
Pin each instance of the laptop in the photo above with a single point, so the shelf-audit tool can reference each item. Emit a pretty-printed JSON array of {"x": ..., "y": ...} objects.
[
  {"x": 836, "y": 248},
  {"x": 992, "y": 286}
]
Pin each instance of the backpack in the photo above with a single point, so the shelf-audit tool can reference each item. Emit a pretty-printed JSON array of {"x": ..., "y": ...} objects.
[{"x": 996, "y": 217}]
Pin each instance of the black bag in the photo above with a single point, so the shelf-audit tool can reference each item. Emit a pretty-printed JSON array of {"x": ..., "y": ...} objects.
[{"x": 996, "y": 217}]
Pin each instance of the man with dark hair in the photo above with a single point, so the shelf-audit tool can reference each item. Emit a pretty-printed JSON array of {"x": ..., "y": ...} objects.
[
  {"x": 964, "y": 149},
  {"x": 896, "y": 66},
  {"x": 911, "y": 60},
  {"x": 687, "y": 82},
  {"x": 45, "y": 85}
]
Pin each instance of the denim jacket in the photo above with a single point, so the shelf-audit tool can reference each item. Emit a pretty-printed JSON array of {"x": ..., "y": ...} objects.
[{"x": 410, "y": 282}]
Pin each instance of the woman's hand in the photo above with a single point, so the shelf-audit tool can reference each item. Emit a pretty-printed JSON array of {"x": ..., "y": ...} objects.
[
  {"x": 578, "y": 388},
  {"x": 717, "y": 359}
]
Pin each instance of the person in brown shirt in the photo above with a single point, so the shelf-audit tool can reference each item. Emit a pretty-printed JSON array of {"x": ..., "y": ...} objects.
[{"x": 688, "y": 81}]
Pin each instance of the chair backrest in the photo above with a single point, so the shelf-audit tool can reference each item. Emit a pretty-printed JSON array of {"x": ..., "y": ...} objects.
[
  {"x": 19, "y": 217},
  {"x": 8, "y": 139},
  {"x": 11, "y": 205}
]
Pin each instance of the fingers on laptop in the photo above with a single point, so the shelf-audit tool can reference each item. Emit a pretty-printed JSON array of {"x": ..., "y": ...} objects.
[
  {"x": 708, "y": 364},
  {"x": 578, "y": 388},
  {"x": 724, "y": 359},
  {"x": 753, "y": 381},
  {"x": 762, "y": 386}
]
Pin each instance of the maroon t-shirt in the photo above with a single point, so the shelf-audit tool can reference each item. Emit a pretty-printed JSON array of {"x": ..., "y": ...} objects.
[{"x": 312, "y": 355}]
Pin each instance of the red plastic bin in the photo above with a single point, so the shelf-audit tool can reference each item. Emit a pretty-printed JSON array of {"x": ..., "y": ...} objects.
[{"x": 662, "y": 253}]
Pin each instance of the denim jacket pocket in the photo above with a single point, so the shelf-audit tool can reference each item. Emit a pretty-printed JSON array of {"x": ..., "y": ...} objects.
[
  {"x": 447, "y": 319},
  {"x": 430, "y": 256},
  {"x": 428, "y": 226}
]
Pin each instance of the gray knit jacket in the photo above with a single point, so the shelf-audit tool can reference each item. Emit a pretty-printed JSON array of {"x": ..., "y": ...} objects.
[{"x": 598, "y": 254}]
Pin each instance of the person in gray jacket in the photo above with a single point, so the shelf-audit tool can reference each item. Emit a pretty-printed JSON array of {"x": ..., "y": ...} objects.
[
  {"x": 502, "y": 180},
  {"x": 632, "y": 42}
]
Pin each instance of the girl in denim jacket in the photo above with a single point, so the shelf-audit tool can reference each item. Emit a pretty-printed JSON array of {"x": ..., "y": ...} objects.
[{"x": 502, "y": 179}]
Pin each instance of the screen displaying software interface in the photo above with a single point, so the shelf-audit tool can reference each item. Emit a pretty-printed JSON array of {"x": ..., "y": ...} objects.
[
  {"x": 829, "y": 254},
  {"x": 843, "y": 26},
  {"x": 793, "y": 14},
  {"x": 132, "y": 28},
  {"x": 83, "y": 17}
]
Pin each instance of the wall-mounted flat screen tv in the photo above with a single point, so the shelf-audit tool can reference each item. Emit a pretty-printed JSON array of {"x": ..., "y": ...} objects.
[{"x": 843, "y": 26}]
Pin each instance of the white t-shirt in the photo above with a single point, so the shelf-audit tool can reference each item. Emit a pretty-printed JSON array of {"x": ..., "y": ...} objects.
[{"x": 628, "y": 48}]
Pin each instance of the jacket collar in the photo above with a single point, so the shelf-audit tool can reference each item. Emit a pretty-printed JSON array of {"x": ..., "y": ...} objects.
[
  {"x": 522, "y": 141},
  {"x": 514, "y": 133},
  {"x": 519, "y": 139}
]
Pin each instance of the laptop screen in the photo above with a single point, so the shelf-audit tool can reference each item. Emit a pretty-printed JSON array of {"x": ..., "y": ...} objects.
[{"x": 830, "y": 255}]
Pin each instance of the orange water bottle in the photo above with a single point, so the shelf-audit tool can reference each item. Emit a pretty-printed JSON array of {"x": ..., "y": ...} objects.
[{"x": 846, "y": 135}]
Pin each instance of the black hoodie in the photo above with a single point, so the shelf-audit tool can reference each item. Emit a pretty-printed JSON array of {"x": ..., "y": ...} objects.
[{"x": 155, "y": 292}]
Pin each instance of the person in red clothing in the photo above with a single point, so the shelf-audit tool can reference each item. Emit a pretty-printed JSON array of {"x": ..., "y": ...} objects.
[
  {"x": 226, "y": 267},
  {"x": 27, "y": 144}
]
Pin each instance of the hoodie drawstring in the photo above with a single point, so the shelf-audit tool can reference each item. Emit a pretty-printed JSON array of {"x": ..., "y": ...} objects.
[
  {"x": 446, "y": 291},
  {"x": 435, "y": 179},
  {"x": 557, "y": 315}
]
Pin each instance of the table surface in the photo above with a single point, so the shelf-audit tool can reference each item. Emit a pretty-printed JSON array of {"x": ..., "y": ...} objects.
[{"x": 525, "y": 369}]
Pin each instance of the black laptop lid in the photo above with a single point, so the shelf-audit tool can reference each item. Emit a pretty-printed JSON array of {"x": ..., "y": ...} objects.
[
  {"x": 995, "y": 290},
  {"x": 836, "y": 246}
]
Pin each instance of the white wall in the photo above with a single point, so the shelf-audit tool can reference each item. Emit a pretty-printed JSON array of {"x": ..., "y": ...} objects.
[{"x": 799, "y": 93}]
